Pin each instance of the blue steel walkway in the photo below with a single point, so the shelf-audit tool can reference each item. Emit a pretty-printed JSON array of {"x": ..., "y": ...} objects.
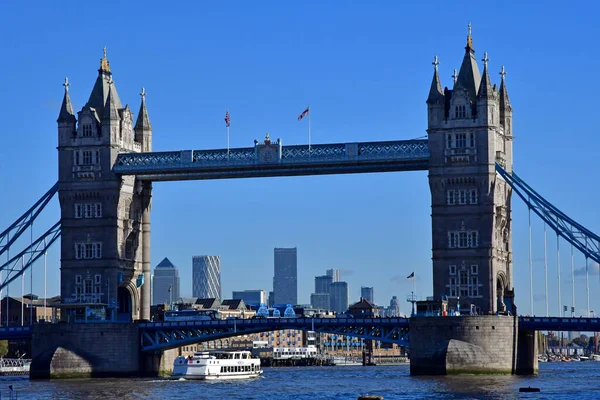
[{"x": 168, "y": 335}]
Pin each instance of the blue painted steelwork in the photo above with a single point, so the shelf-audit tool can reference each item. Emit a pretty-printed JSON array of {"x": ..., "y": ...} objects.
[
  {"x": 15, "y": 332},
  {"x": 559, "y": 324},
  {"x": 580, "y": 237},
  {"x": 16, "y": 266},
  {"x": 168, "y": 335},
  {"x": 13, "y": 232},
  {"x": 273, "y": 159}
]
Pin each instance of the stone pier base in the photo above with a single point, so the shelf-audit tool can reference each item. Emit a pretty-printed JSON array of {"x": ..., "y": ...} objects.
[
  {"x": 93, "y": 350},
  {"x": 487, "y": 344}
]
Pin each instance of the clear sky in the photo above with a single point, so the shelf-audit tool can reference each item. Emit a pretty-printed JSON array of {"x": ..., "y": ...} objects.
[{"x": 365, "y": 69}]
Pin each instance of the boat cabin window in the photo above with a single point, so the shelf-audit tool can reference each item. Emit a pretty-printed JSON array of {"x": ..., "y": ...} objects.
[{"x": 237, "y": 356}]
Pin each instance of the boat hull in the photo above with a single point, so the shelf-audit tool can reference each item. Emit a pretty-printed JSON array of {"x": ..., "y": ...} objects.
[{"x": 217, "y": 377}]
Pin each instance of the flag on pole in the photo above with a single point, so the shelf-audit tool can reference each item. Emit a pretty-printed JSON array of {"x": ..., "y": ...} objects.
[
  {"x": 304, "y": 113},
  {"x": 170, "y": 286},
  {"x": 227, "y": 119},
  {"x": 412, "y": 275}
]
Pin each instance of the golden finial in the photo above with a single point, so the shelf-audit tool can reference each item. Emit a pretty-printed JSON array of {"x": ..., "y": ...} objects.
[
  {"x": 104, "y": 64},
  {"x": 469, "y": 38}
]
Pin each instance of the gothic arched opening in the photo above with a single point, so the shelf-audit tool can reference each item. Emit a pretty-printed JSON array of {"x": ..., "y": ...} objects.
[
  {"x": 125, "y": 303},
  {"x": 500, "y": 285}
]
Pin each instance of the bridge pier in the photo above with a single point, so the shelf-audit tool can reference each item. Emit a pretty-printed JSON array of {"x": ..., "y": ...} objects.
[
  {"x": 487, "y": 344},
  {"x": 92, "y": 351}
]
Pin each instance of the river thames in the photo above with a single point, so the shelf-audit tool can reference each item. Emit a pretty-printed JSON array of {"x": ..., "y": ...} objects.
[{"x": 578, "y": 380}]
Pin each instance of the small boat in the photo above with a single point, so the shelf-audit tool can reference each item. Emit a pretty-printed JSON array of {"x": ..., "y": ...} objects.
[
  {"x": 217, "y": 365},
  {"x": 345, "y": 361}
]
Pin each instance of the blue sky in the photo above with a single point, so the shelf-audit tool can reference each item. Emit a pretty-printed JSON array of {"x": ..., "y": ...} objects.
[{"x": 365, "y": 69}]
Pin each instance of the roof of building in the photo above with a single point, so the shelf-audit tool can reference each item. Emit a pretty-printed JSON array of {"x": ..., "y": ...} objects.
[
  {"x": 165, "y": 263},
  {"x": 436, "y": 93},
  {"x": 143, "y": 120},
  {"x": 66, "y": 113},
  {"x": 234, "y": 304},
  {"x": 468, "y": 75},
  {"x": 101, "y": 88},
  {"x": 362, "y": 304},
  {"x": 36, "y": 302},
  {"x": 208, "y": 303}
]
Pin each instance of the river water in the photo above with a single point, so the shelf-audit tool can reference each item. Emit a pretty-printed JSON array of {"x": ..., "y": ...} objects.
[{"x": 579, "y": 380}]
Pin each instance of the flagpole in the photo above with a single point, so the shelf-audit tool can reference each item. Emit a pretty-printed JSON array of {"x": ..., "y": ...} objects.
[
  {"x": 228, "y": 124},
  {"x": 308, "y": 130},
  {"x": 415, "y": 284}
]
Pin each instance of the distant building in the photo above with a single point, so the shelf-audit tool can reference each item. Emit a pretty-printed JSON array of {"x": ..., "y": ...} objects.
[
  {"x": 321, "y": 298},
  {"x": 364, "y": 309},
  {"x": 206, "y": 276},
  {"x": 339, "y": 296},
  {"x": 367, "y": 294},
  {"x": 322, "y": 283},
  {"x": 21, "y": 310},
  {"x": 250, "y": 296},
  {"x": 394, "y": 308},
  {"x": 271, "y": 299},
  {"x": 320, "y": 301},
  {"x": 334, "y": 274},
  {"x": 165, "y": 281},
  {"x": 285, "y": 280}
]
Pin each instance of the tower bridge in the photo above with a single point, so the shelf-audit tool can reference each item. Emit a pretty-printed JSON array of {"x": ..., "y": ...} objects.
[{"x": 107, "y": 166}]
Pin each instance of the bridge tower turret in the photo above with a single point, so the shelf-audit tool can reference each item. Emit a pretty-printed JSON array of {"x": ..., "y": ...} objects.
[
  {"x": 471, "y": 205},
  {"x": 101, "y": 213}
]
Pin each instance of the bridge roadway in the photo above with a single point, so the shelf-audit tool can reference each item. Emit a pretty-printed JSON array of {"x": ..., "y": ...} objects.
[
  {"x": 168, "y": 335},
  {"x": 273, "y": 159}
]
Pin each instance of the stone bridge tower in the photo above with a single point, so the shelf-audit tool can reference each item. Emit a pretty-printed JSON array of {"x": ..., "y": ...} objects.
[
  {"x": 469, "y": 130},
  {"x": 105, "y": 219}
]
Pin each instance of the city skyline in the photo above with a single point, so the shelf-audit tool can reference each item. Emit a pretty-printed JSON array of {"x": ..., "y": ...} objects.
[{"x": 375, "y": 227}]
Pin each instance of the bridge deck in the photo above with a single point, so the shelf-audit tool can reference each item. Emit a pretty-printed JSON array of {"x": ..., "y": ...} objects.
[{"x": 273, "y": 159}]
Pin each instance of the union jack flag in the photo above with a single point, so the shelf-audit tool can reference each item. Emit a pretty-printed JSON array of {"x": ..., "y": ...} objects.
[
  {"x": 227, "y": 119},
  {"x": 304, "y": 113}
]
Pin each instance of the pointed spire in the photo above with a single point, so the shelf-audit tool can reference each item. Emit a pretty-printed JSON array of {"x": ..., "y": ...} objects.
[
  {"x": 99, "y": 93},
  {"x": 504, "y": 100},
  {"x": 143, "y": 120},
  {"x": 485, "y": 88},
  {"x": 468, "y": 75},
  {"x": 111, "y": 109},
  {"x": 435, "y": 92},
  {"x": 66, "y": 113}
]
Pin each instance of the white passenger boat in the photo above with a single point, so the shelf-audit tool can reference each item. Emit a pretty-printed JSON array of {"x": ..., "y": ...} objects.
[{"x": 212, "y": 365}]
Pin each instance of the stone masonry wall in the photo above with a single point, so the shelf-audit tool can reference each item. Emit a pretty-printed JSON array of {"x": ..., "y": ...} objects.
[
  {"x": 468, "y": 344},
  {"x": 84, "y": 350}
]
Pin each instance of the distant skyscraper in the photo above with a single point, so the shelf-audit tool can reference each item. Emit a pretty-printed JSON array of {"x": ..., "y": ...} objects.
[
  {"x": 395, "y": 306},
  {"x": 206, "y": 277},
  {"x": 367, "y": 294},
  {"x": 322, "y": 283},
  {"x": 165, "y": 276},
  {"x": 338, "y": 296},
  {"x": 320, "y": 300},
  {"x": 271, "y": 299},
  {"x": 334, "y": 274},
  {"x": 285, "y": 281},
  {"x": 250, "y": 296}
]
